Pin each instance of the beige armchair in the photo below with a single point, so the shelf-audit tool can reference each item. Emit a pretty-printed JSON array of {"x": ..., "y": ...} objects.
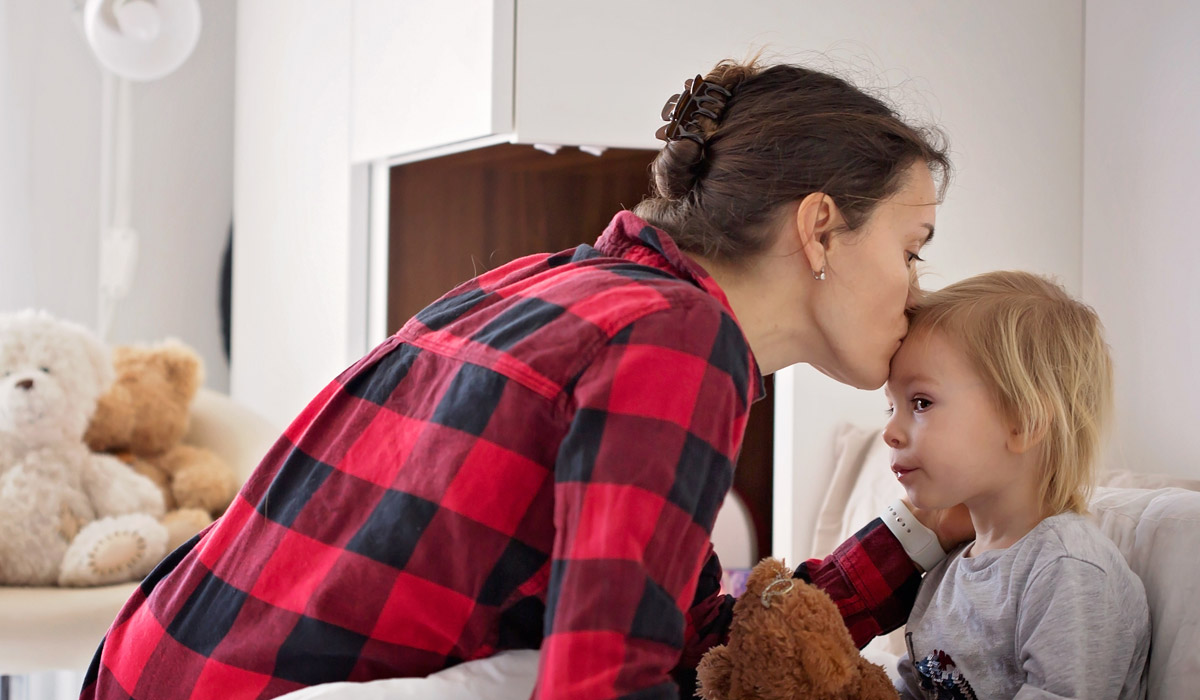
[{"x": 43, "y": 629}]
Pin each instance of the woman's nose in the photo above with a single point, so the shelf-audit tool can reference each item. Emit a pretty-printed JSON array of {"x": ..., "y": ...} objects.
[{"x": 914, "y": 292}]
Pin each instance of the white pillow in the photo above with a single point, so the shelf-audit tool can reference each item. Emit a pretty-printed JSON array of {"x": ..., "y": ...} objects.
[
  {"x": 861, "y": 487},
  {"x": 509, "y": 675},
  {"x": 1159, "y": 533}
]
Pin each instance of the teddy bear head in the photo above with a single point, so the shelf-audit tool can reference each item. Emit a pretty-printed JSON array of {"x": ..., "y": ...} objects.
[
  {"x": 794, "y": 634},
  {"x": 51, "y": 374},
  {"x": 146, "y": 410}
]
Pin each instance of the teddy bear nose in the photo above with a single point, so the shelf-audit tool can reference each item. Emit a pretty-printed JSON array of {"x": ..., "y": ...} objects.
[{"x": 25, "y": 384}]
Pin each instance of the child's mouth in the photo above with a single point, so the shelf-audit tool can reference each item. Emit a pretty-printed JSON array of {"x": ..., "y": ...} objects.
[{"x": 902, "y": 471}]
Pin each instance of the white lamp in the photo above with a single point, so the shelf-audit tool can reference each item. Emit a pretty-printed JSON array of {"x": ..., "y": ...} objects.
[
  {"x": 137, "y": 40},
  {"x": 142, "y": 39}
]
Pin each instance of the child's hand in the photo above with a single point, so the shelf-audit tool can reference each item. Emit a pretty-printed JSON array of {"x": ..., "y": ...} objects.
[{"x": 952, "y": 525}]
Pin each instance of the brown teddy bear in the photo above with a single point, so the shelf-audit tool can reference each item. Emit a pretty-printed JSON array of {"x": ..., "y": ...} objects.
[
  {"x": 787, "y": 641},
  {"x": 142, "y": 419}
]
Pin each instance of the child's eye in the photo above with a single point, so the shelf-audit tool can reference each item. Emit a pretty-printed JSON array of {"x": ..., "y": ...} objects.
[
  {"x": 921, "y": 405},
  {"x": 889, "y": 411}
]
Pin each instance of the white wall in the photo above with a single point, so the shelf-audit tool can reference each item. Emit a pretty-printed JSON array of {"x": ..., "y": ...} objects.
[
  {"x": 292, "y": 206},
  {"x": 1005, "y": 81},
  {"x": 1141, "y": 242},
  {"x": 51, "y": 161},
  {"x": 183, "y": 173},
  {"x": 16, "y": 243},
  {"x": 50, "y": 169}
]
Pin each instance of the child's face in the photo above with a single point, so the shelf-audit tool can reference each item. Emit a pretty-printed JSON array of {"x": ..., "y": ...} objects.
[{"x": 950, "y": 444}]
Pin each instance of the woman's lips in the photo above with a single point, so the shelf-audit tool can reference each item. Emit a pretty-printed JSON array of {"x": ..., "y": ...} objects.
[{"x": 902, "y": 471}]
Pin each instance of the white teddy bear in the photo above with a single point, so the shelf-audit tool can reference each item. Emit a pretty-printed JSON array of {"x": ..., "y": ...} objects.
[{"x": 67, "y": 515}]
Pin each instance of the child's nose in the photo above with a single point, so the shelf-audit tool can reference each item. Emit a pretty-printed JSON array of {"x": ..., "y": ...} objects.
[{"x": 892, "y": 435}]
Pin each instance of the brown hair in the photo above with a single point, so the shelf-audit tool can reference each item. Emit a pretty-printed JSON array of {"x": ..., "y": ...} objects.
[
  {"x": 1043, "y": 357},
  {"x": 786, "y": 132}
]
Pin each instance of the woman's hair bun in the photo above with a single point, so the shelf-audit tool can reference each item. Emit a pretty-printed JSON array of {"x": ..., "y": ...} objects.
[
  {"x": 676, "y": 168},
  {"x": 692, "y": 117}
]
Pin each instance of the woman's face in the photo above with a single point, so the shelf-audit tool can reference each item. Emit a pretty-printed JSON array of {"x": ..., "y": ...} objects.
[{"x": 859, "y": 306}]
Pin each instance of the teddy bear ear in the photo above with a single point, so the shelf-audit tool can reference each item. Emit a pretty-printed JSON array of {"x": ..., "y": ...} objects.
[
  {"x": 56, "y": 340},
  {"x": 183, "y": 366},
  {"x": 96, "y": 354},
  {"x": 766, "y": 571}
]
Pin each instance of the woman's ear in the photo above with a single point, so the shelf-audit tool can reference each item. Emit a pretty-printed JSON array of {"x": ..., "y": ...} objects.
[{"x": 816, "y": 219}]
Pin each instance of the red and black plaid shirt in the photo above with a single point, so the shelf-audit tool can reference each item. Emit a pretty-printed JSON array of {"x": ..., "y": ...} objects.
[{"x": 536, "y": 459}]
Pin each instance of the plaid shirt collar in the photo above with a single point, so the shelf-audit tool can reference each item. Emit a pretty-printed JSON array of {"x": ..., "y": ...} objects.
[{"x": 630, "y": 237}]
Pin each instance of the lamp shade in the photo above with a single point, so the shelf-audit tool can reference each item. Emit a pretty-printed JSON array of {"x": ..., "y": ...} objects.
[{"x": 142, "y": 39}]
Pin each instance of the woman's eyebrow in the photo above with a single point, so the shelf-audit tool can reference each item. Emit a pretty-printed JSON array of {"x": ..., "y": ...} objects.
[{"x": 929, "y": 237}]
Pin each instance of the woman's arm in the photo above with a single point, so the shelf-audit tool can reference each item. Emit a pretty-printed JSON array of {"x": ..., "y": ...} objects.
[
  {"x": 871, "y": 579},
  {"x": 647, "y": 460},
  {"x": 872, "y": 576}
]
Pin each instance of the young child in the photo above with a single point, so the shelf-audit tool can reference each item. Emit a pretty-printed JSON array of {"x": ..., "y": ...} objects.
[{"x": 999, "y": 394}]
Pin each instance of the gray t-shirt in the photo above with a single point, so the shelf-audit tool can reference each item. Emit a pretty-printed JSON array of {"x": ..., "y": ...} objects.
[{"x": 1056, "y": 615}]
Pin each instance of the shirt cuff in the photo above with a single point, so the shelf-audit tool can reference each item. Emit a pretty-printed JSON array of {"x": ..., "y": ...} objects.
[{"x": 919, "y": 542}]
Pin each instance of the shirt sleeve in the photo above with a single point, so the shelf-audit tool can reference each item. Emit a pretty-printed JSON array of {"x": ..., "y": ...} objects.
[
  {"x": 707, "y": 624},
  {"x": 646, "y": 463},
  {"x": 1075, "y": 638},
  {"x": 870, "y": 578}
]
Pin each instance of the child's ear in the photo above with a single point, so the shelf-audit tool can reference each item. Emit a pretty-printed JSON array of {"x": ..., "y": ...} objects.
[{"x": 1021, "y": 439}]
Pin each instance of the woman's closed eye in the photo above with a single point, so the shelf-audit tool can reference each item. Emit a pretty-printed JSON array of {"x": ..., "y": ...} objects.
[{"x": 912, "y": 257}]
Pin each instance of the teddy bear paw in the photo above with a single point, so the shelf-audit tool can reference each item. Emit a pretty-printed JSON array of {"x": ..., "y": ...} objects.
[{"x": 114, "y": 550}]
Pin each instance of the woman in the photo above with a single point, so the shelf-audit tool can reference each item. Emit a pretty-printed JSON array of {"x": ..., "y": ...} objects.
[{"x": 537, "y": 459}]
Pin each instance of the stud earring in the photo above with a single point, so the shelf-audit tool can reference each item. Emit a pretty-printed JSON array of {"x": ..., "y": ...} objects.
[{"x": 818, "y": 276}]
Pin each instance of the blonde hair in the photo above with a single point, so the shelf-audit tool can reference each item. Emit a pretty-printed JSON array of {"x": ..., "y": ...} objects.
[{"x": 1043, "y": 356}]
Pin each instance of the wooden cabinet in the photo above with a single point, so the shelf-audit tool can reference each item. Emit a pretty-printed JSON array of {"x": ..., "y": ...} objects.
[{"x": 453, "y": 217}]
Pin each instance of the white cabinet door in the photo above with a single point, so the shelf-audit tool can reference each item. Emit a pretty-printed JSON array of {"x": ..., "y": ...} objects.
[
  {"x": 599, "y": 73},
  {"x": 428, "y": 74}
]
